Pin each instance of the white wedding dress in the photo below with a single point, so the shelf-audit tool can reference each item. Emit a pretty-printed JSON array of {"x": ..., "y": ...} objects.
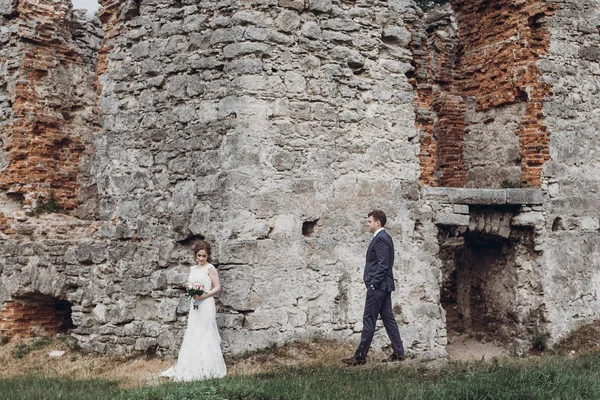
[{"x": 200, "y": 356}]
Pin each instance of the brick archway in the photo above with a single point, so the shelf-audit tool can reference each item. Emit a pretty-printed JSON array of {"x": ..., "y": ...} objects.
[{"x": 35, "y": 314}]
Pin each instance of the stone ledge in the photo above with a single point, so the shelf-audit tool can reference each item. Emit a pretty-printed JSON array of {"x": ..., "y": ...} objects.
[{"x": 483, "y": 196}]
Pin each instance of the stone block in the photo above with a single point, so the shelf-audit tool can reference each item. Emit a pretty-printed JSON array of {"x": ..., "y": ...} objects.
[
  {"x": 166, "y": 340},
  {"x": 244, "y": 66},
  {"x": 480, "y": 196},
  {"x": 288, "y": 21},
  {"x": 194, "y": 23},
  {"x": 230, "y": 321},
  {"x": 294, "y": 82},
  {"x": 152, "y": 329},
  {"x": 338, "y": 24},
  {"x": 324, "y": 6},
  {"x": 311, "y": 30},
  {"x": 451, "y": 219},
  {"x": 348, "y": 56},
  {"x": 250, "y": 17},
  {"x": 238, "y": 252},
  {"x": 590, "y": 53},
  {"x": 241, "y": 49},
  {"x": 264, "y": 319},
  {"x": 176, "y": 86},
  {"x": 118, "y": 314},
  {"x": 99, "y": 312},
  {"x": 465, "y": 196},
  {"x": 336, "y": 37},
  {"x": 228, "y": 35},
  {"x": 524, "y": 196},
  {"x": 200, "y": 220},
  {"x": 460, "y": 209},
  {"x": 144, "y": 344},
  {"x": 532, "y": 218},
  {"x": 295, "y": 4},
  {"x": 395, "y": 66},
  {"x": 400, "y": 35},
  {"x": 145, "y": 308},
  {"x": 167, "y": 310},
  {"x": 243, "y": 105}
]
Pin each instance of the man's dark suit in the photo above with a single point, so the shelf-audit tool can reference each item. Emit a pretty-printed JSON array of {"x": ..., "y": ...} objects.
[{"x": 379, "y": 279}]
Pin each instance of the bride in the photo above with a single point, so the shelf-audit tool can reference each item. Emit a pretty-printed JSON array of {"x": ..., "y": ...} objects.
[{"x": 200, "y": 355}]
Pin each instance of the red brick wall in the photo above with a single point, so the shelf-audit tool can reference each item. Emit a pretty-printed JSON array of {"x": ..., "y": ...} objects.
[
  {"x": 42, "y": 144},
  {"x": 440, "y": 108},
  {"x": 422, "y": 81},
  {"x": 494, "y": 64},
  {"x": 449, "y": 130},
  {"x": 26, "y": 320},
  {"x": 501, "y": 43}
]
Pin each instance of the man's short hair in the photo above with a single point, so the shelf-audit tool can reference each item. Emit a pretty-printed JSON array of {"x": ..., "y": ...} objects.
[{"x": 378, "y": 215}]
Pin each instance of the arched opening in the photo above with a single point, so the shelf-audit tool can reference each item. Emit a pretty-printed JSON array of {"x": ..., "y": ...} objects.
[{"x": 35, "y": 314}]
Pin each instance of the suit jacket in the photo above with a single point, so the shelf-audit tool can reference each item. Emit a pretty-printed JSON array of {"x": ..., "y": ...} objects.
[{"x": 380, "y": 263}]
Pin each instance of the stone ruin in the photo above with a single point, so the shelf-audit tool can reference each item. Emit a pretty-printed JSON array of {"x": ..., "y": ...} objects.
[{"x": 271, "y": 128}]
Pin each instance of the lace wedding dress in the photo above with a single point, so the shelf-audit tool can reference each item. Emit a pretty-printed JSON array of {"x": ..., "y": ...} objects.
[{"x": 200, "y": 355}]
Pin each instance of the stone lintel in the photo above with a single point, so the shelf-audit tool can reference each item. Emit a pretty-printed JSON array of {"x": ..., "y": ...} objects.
[
  {"x": 452, "y": 219},
  {"x": 524, "y": 196},
  {"x": 483, "y": 196}
]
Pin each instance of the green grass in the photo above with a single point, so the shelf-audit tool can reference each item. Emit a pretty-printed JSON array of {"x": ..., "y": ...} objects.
[
  {"x": 546, "y": 378},
  {"x": 22, "y": 349},
  {"x": 35, "y": 388}
]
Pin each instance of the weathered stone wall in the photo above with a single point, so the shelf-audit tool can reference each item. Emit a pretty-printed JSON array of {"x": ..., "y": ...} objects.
[
  {"x": 571, "y": 178},
  {"x": 271, "y": 128},
  {"x": 242, "y": 123}
]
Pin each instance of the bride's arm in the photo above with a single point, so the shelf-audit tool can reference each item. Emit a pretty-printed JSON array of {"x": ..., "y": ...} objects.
[{"x": 216, "y": 285}]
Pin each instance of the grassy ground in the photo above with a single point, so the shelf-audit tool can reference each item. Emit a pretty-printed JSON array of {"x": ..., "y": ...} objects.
[
  {"x": 309, "y": 370},
  {"x": 541, "y": 378}
]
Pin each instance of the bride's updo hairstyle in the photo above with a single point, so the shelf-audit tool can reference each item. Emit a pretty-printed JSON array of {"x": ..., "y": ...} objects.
[{"x": 202, "y": 245}]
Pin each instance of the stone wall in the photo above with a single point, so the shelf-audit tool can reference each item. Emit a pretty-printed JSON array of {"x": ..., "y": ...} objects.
[
  {"x": 271, "y": 128},
  {"x": 570, "y": 179},
  {"x": 241, "y": 122}
]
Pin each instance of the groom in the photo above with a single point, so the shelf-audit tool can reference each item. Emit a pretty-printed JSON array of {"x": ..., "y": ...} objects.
[{"x": 379, "y": 280}]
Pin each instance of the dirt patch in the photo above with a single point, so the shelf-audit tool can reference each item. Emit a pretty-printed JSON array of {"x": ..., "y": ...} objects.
[
  {"x": 582, "y": 340},
  {"x": 466, "y": 347},
  {"x": 23, "y": 357},
  {"x": 134, "y": 371}
]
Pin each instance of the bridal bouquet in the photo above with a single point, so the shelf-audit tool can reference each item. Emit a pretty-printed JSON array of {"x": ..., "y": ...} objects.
[{"x": 194, "y": 289}]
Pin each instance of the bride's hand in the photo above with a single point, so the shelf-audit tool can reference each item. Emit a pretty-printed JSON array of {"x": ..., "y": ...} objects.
[{"x": 202, "y": 297}]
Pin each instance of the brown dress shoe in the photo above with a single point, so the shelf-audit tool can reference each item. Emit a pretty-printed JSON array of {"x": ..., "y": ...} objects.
[{"x": 353, "y": 362}]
